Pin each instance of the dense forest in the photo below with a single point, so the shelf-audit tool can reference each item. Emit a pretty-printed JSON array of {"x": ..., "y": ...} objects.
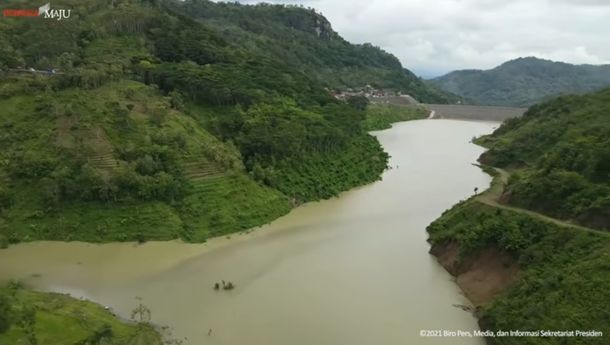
[
  {"x": 524, "y": 82},
  {"x": 157, "y": 119},
  {"x": 305, "y": 42},
  {"x": 559, "y": 156}
]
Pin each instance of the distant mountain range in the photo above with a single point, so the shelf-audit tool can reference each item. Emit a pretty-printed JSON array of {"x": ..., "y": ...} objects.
[{"x": 523, "y": 81}]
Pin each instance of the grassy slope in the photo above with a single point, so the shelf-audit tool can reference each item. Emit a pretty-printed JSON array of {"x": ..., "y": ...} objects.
[
  {"x": 381, "y": 116},
  {"x": 558, "y": 154},
  {"x": 61, "y": 319},
  {"x": 214, "y": 205},
  {"x": 229, "y": 202}
]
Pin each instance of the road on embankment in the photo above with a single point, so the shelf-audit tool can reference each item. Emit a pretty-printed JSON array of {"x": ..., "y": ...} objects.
[{"x": 492, "y": 197}]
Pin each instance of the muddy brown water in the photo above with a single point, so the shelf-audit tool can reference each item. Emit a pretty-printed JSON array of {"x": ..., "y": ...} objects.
[{"x": 351, "y": 270}]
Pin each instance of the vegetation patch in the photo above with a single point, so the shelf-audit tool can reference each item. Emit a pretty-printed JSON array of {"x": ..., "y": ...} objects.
[
  {"x": 381, "y": 116},
  {"x": 559, "y": 157},
  {"x": 155, "y": 120},
  {"x": 556, "y": 165},
  {"x": 36, "y": 318},
  {"x": 221, "y": 205},
  {"x": 524, "y": 82},
  {"x": 563, "y": 281},
  {"x": 107, "y": 169}
]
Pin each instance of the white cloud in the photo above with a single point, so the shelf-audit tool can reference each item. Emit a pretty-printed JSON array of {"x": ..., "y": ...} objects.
[{"x": 432, "y": 37}]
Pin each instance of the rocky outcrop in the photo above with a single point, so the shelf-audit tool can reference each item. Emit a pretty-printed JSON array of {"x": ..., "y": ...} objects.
[{"x": 323, "y": 28}]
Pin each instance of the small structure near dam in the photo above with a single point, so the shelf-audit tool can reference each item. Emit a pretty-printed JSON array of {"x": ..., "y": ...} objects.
[{"x": 474, "y": 112}]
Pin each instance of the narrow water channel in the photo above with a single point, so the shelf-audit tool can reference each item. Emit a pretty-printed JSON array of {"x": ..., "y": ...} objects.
[{"x": 351, "y": 270}]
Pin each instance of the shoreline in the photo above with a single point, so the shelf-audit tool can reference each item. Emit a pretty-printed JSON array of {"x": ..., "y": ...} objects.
[
  {"x": 219, "y": 240},
  {"x": 103, "y": 264},
  {"x": 483, "y": 274},
  {"x": 181, "y": 252},
  {"x": 186, "y": 251}
]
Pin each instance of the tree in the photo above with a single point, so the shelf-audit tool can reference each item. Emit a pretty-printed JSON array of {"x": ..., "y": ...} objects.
[
  {"x": 141, "y": 313},
  {"x": 98, "y": 336},
  {"x": 5, "y": 308},
  {"x": 145, "y": 68},
  {"x": 176, "y": 100},
  {"x": 358, "y": 102},
  {"x": 9, "y": 57},
  {"x": 27, "y": 322},
  {"x": 158, "y": 113}
]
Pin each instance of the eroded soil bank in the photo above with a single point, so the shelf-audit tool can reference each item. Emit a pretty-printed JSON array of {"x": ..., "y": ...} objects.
[{"x": 481, "y": 275}]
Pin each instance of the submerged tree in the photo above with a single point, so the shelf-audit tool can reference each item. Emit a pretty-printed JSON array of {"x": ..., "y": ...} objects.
[{"x": 141, "y": 313}]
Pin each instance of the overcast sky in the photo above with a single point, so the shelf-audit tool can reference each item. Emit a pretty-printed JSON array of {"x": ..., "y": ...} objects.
[{"x": 432, "y": 37}]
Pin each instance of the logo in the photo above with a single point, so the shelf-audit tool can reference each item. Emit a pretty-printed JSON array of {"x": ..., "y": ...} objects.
[{"x": 44, "y": 11}]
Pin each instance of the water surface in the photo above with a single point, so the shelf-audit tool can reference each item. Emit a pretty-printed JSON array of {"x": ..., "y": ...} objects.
[{"x": 351, "y": 270}]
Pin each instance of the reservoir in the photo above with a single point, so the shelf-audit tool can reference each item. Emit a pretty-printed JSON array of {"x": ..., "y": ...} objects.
[{"x": 350, "y": 270}]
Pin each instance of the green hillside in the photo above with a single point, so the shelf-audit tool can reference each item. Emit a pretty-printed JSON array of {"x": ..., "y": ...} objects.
[
  {"x": 303, "y": 40},
  {"x": 562, "y": 282},
  {"x": 381, "y": 116},
  {"x": 160, "y": 122},
  {"x": 117, "y": 163},
  {"x": 29, "y": 317},
  {"x": 524, "y": 82},
  {"x": 547, "y": 215},
  {"x": 559, "y": 152}
]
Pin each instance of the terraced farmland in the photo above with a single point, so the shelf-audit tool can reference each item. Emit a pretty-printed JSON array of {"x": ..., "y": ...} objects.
[
  {"x": 474, "y": 112},
  {"x": 220, "y": 204},
  {"x": 198, "y": 170},
  {"x": 101, "y": 158}
]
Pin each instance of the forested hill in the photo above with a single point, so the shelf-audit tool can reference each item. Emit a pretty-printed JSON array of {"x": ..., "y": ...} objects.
[
  {"x": 552, "y": 269},
  {"x": 144, "y": 119},
  {"x": 559, "y": 152},
  {"x": 303, "y": 40},
  {"x": 524, "y": 81}
]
